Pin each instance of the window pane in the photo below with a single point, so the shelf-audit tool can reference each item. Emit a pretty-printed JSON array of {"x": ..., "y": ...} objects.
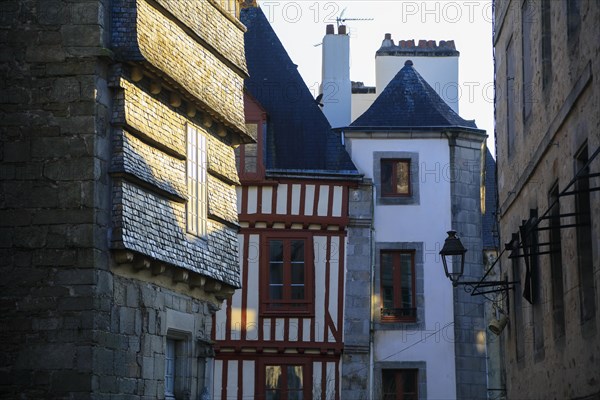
[
  {"x": 272, "y": 395},
  {"x": 273, "y": 377},
  {"x": 297, "y": 250},
  {"x": 276, "y": 292},
  {"x": 294, "y": 377},
  {"x": 275, "y": 250},
  {"x": 407, "y": 280},
  {"x": 409, "y": 381},
  {"x": 403, "y": 177},
  {"x": 387, "y": 186},
  {"x": 388, "y": 383},
  {"x": 298, "y": 292},
  {"x": 298, "y": 273},
  {"x": 387, "y": 280}
]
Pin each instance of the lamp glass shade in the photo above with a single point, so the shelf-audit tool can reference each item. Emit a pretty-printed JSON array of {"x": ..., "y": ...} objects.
[{"x": 455, "y": 251}]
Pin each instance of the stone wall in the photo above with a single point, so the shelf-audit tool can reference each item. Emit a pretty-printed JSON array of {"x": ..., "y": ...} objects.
[
  {"x": 466, "y": 162},
  {"x": 558, "y": 347},
  {"x": 356, "y": 359},
  {"x": 54, "y": 201},
  {"x": 86, "y": 154}
]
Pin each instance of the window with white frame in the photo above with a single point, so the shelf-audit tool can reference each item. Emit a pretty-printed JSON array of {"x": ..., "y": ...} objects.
[{"x": 196, "y": 182}]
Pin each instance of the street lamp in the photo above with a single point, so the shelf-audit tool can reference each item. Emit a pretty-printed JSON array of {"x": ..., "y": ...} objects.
[{"x": 455, "y": 249}]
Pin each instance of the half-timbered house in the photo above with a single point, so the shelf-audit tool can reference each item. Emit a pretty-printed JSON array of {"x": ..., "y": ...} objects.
[{"x": 281, "y": 335}]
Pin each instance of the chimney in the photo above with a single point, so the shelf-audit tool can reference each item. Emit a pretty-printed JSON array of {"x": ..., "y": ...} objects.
[
  {"x": 335, "y": 79},
  {"x": 387, "y": 41}
]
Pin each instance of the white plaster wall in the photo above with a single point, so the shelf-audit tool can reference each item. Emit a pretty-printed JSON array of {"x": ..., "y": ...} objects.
[
  {"x": 361, "y": 102},
  {"x": 426, "y": 222},
  {"x": 335, "y": 82},
  {"x": 440, "y": 72}
]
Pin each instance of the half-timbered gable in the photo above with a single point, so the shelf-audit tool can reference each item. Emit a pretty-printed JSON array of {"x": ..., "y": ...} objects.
[{"x": 281, "y": 335}]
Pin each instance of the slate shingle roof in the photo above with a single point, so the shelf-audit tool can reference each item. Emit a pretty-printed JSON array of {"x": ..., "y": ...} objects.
[
  {"x": 408, "y": 101},
  {"x": 299, "y": 136}
]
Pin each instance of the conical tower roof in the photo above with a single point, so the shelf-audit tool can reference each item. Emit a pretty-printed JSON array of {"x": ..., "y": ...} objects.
[{"x": 408, "y": 101}]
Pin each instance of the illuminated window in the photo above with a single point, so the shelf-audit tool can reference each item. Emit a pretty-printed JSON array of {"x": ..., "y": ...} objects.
[
  {"x": 196, "y": 182},
  {"x": 398, "y": 286},
  {"x": 248, "y": 157},
  {"x": 395, "y": 177},
  {"x": 284, "y": 382}
]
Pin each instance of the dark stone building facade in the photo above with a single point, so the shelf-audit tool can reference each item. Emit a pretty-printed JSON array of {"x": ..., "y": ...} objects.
[
  {"x": 547, "y": 64},
  {"x": 118, "y": 217}
]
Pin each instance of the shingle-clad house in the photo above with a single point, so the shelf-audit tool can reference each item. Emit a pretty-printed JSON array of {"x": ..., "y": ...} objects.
[
  {"x": 118, "y": 204},
  {"x": 282, "y": 334}
]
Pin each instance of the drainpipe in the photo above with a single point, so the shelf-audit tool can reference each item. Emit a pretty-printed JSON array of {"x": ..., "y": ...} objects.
[{"x": 371, "y": 322}]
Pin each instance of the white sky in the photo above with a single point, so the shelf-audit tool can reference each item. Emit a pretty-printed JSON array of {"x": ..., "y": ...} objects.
[{"x": 300, "y": 25}]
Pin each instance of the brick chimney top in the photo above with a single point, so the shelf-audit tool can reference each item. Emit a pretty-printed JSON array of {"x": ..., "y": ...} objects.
[
  {"x": 423, "y": 48},
  {"x": 329, "y": 30}
]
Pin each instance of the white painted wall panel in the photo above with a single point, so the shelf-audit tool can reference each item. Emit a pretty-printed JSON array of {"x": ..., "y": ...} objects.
[
  {"x": 334, "y": 274},
  {"x": 252, "y": 289},
  {"x": 294, "y": 330},
  {"x": 309, "y": 199},
  {"x": 252, "y": 199},
  {"x": 232, "y": 379},
  {"x": 238, "y": 191},
  {"x": 319, "y": 243},
  {"x": 267, "y": 328},
  {"x": 295, "y": 199},
  {"x": 248, "y": 376},
  {"x": 338, "y": 192},
  {"x": 306, "y": 329},
  {"x": 323, "y": 201},
  {"x": 279, "y": 329},
  {"x": 317, "y": 383},
  {"x": 282, "y": 190},
  {"x": 217, "y": 379},
  {"x": 267, "y": 199}
]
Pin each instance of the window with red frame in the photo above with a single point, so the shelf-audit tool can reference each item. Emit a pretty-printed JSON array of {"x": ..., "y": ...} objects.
[
  {"x": 248, "y": 157},
  {"x": 395, "y": 177},
  {"x": 284, "y": 378},
  {"x": 287, "y": 278},
  {"x": 397, "y": 276},
  {"x": 400, "y": 384}
]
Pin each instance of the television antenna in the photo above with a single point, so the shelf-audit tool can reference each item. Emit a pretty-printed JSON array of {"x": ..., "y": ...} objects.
[{"x": 340, "y": 19}]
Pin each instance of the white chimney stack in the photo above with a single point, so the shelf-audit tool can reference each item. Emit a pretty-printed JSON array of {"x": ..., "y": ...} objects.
[{"x": 335, "y": 80}]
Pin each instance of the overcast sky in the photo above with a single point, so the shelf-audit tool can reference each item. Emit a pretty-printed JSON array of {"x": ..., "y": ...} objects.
[{"x": 301, "y": 24}]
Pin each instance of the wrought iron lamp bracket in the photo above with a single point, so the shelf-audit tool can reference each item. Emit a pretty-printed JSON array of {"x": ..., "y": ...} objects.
[{"x": 478, "y": 288}]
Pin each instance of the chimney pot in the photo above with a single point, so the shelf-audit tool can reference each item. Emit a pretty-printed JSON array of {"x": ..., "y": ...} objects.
[
  {"x": 329, "y": 30},
  {"x": 342, "y": 30},
  {"x": 388, "y": 36}
]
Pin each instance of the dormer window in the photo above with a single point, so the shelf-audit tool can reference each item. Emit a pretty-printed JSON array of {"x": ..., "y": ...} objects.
[{"x": 249, "y": 157}]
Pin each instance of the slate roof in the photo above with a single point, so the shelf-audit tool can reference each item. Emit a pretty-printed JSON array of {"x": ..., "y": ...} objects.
[
  {"x": 408, "y": 101},
  {"x": 489, "y": 228},
  {"x": 299, "y": 136}
]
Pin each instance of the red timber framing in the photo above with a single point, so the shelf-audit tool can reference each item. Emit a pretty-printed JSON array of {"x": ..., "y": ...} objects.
[
  {"x": 284, "y": 322},
  {"x": 248, "y": 335}
]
